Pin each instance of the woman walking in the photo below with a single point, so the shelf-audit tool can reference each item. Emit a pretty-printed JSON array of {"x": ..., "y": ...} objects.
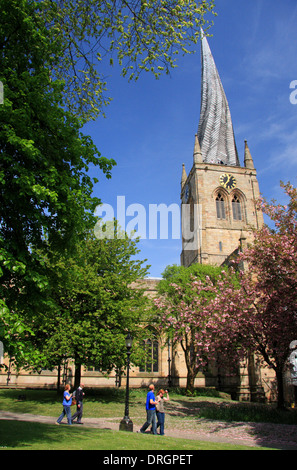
[
  {"x": 160, "y": 410},
  {"x": 67, "y": 401}
]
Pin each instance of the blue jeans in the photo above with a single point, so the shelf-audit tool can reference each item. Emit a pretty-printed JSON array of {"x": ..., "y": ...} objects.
[
  {"x": 66, "y": 411},
  {"x": 161, "y": 422},
  {"x": 150, "y": 419}
]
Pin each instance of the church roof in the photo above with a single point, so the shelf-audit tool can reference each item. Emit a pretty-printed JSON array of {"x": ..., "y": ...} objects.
[{"x": 215, "y": 131}]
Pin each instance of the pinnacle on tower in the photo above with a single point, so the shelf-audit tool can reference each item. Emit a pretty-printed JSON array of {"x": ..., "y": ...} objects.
[
  {"x": 197, "y": 155},
  {"x": 248, "y": 160},
  {"x": 215, "y": 131},
  {"x": 184, "y": 176}
]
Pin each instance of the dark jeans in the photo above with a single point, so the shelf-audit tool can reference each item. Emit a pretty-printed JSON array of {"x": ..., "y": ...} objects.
[
  {"x": 78, "y": 413},
  {"x": 161, "y": 422},
  {"x": 150, "y": 419}
]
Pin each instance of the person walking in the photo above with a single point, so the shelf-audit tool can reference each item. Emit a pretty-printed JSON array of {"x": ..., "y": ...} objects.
[
  {"x": 79, "y": 394},
  {"x": 160, "y": 410},
  {"x": 150, "y": 411},
  {"x": 67, "y": 401}
]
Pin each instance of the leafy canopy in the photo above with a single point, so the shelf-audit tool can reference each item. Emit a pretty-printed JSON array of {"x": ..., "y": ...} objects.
[{"x": 141, "y": 35}]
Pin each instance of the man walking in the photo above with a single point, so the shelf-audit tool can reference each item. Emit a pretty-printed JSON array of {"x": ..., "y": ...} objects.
[
  {"x": 150, "y": 411},
  {"x": 79, "y": 394}
]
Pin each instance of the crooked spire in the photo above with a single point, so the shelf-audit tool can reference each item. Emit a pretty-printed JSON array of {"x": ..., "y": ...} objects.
[{"x": 215, "y": 131}]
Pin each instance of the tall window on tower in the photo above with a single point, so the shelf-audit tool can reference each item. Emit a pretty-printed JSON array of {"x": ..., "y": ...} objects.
[
  {"x": 236, "y": 208},
  {"x": 220, "y": 205}
]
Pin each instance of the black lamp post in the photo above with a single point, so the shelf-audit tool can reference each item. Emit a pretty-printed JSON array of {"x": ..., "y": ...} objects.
[
  {"x": 169, "y": 365},
  {"x": 126, "y": 424}
]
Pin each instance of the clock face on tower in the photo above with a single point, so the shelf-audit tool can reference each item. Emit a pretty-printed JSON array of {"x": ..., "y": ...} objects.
[{"x": 227, "y": 181}]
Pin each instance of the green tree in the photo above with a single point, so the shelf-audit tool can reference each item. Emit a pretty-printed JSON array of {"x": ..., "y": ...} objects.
[
  {"x": 45, "y": 189},
  {"x": 95, "y": 305}
]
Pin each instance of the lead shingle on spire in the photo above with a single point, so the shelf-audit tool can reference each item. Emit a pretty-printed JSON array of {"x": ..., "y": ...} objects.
[{"x": 215, "y": 130}]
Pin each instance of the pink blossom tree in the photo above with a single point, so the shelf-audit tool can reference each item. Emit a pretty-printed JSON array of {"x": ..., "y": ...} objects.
[
  {"x": 197, "y": 313},
  {"x": 271, "y": 284}
]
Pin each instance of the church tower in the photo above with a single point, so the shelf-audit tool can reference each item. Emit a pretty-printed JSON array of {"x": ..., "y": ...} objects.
[{"x": 218, "y": 195}]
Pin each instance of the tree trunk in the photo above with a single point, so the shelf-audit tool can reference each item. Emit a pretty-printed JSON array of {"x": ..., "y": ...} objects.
[
  {"x": 77, "y": 375},
  {"x": 192, "y": 370},
  {"x": 280, "y": 389},
  {"x": 190, "y": 381},
  {"x": 59, "y": 378}
]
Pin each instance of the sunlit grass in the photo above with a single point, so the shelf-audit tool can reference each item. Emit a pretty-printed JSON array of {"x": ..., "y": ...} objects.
[{"x": 110, "y": 403}]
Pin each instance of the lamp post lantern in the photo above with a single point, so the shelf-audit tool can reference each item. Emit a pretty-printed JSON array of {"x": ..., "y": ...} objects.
[{"x": 126, "y": 424}]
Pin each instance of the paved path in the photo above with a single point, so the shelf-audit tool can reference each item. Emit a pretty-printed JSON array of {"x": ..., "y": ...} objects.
[{"x": 276, "y": 436}]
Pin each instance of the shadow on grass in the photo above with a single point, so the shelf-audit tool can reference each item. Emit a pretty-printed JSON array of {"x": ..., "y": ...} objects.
[
  {"x": 25, "y": 435},
  {"x": 26, "y": 401}
]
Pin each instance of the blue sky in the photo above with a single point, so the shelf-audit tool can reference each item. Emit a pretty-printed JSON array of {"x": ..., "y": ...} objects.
[{"x": 150, "y": 125}]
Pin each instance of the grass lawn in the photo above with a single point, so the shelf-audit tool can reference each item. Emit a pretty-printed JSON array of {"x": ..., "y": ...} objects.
[
  {"x": 109, "y": 403},
  {"x": 21, "y": 435}
]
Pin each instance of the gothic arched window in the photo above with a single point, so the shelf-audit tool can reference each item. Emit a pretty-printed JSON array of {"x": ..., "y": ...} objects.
[
  {"x": 220, "y": 205},
  {"x": 236, "y": 208},
  {"x": 151, "y": 361}
]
